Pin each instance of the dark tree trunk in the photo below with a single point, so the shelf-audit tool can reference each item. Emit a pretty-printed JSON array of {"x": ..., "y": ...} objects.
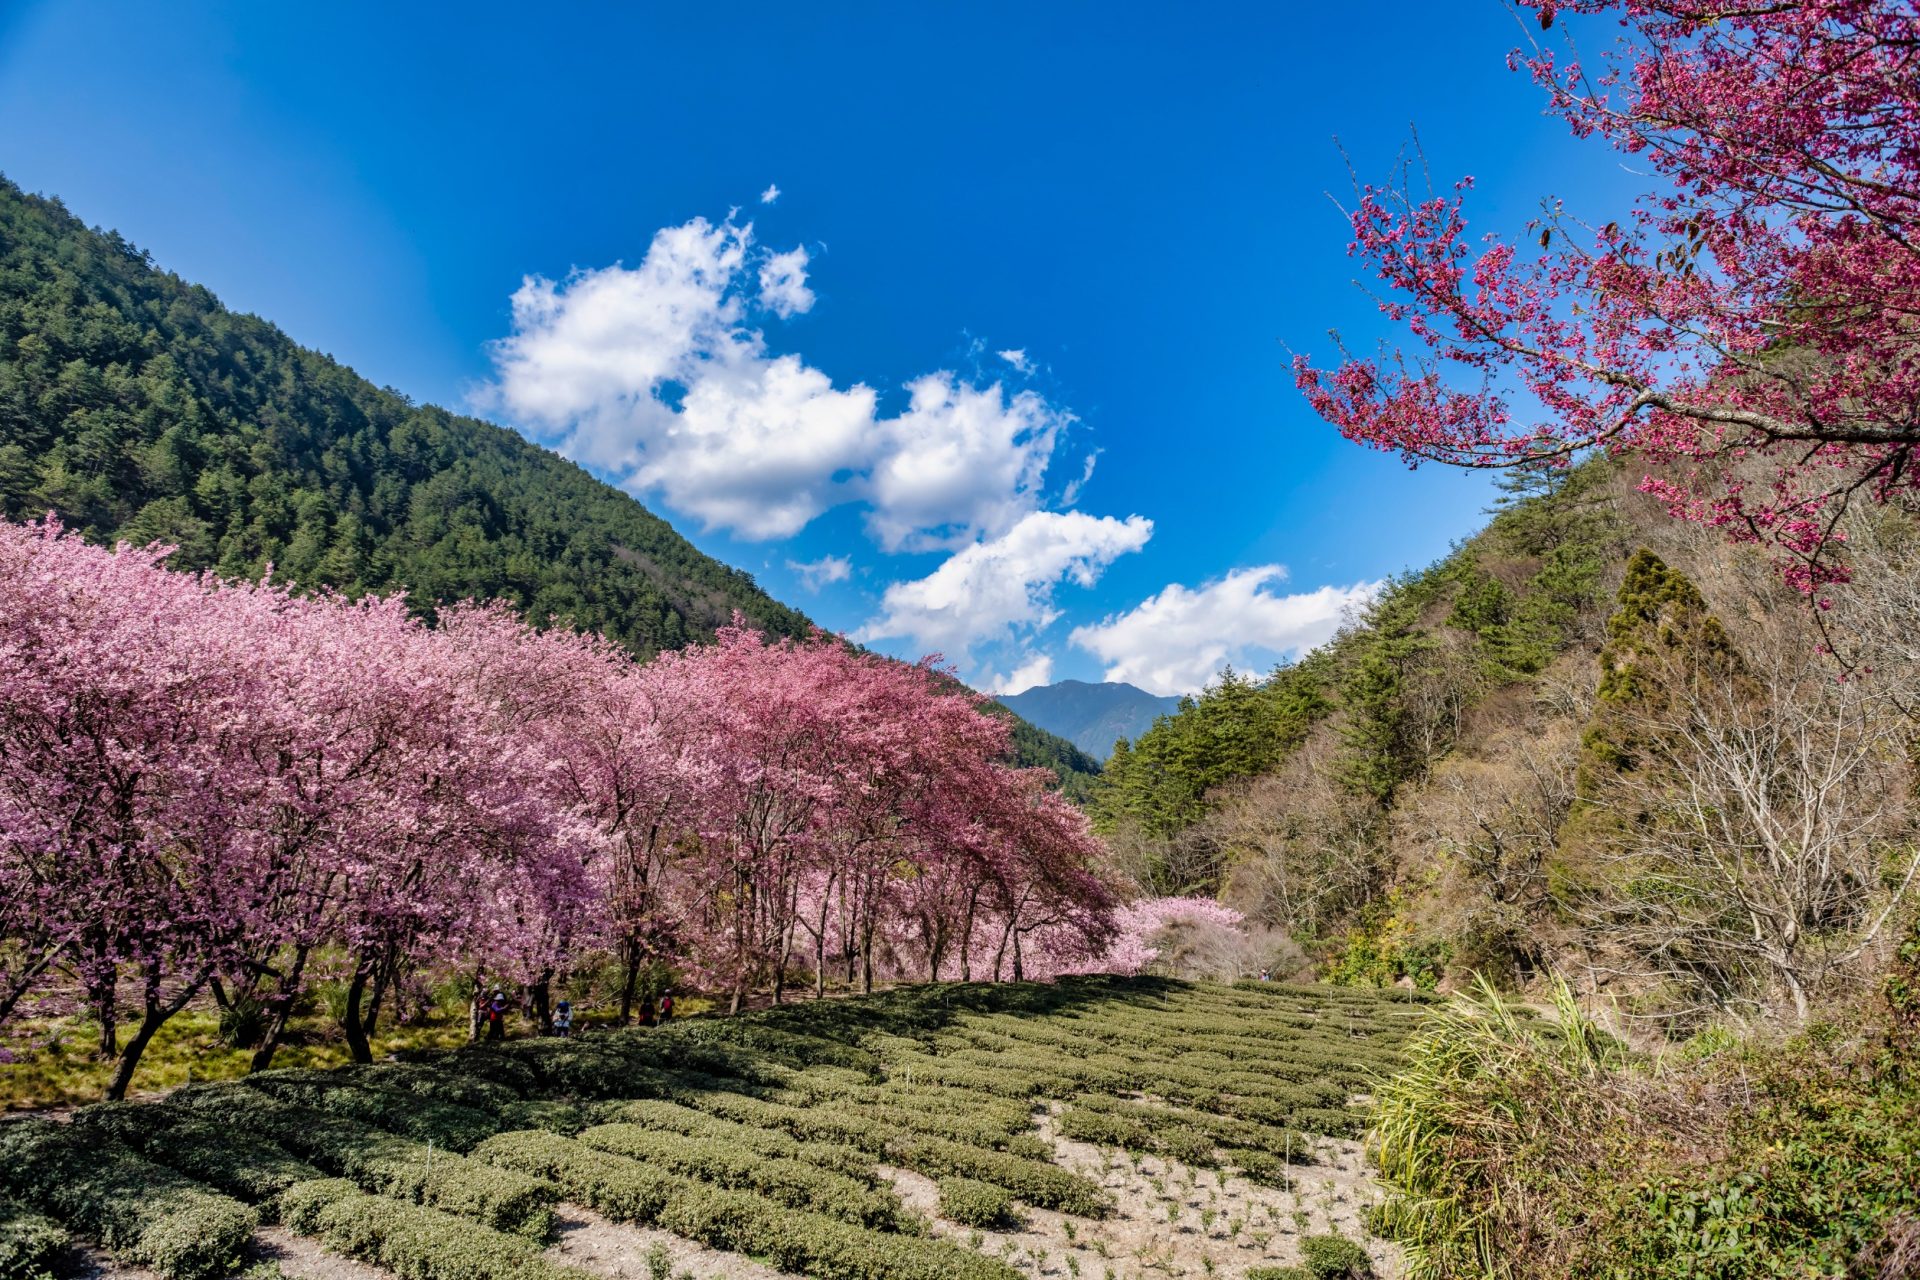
[
  {"x": 1019, "y": 970},
  {"x": 382, "y": 979},
  {"x": 542, "y": 1001},
  {"x": 630, "y": 980},
  {"x": 101, "y": 997},
  {"x": 154, "y": 1018},
  {"x": 351, "y": 1023},
  {"x": 282, "y": 1012}
]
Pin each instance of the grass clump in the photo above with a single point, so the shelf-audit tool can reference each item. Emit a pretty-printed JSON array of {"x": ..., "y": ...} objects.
[{"x": 973, "y": 1203}]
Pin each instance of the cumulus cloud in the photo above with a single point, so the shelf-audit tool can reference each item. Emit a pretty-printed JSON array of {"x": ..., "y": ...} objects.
[
  {"x": 1033, "y": 669},
  {"x": 657, "y": 376},
  {"x": 815, "y": 574},
  {"x": 783, "y": 283},
  {"x": 1176, "y": 641},
  {"x": 998, "y": 589},
  {"x": 771, "y": 194}
]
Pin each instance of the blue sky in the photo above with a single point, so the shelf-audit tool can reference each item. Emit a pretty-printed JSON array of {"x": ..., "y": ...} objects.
[{"x": 555, "y": 217}]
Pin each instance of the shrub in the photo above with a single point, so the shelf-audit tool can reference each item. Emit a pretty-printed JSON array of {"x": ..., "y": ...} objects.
[
  {"x": 1334, "y": 1257},
  {"x": 1280, "y": 1273},
  {"x": 974, "y": 1204},
  {"x": 1262, "y": 1167},
  {"x": 143, "y": 1212},
  {"x": 1042, "y": 1185},
  {"x": 29, "y": 1243},
  {"x": 414, "y": 1242}
]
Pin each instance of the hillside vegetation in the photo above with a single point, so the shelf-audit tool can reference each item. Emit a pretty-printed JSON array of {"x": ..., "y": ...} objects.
[
  {"x": 1598, "y": 757},
  {"x": 136, "y": 407}
]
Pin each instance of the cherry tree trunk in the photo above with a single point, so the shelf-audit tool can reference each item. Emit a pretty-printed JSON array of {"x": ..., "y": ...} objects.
[
  {"x": 351, "y": 1022},
  {"x": 283, "y": 1002}
]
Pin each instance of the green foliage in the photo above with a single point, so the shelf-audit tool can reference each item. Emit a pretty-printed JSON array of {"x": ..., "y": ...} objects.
[
  {"x": 972, "y": 1203},
  {"x": 30, "y": 1244},
  {"x": 1381, "y": 949},
  {"x": 1235, "y": 728},
  {"x": 413, "y": 1242},
  {"x": 141, "y": 1211},
  {"x": 1334, "y": 1257},
  {"x": 1045, "y": 1186}
]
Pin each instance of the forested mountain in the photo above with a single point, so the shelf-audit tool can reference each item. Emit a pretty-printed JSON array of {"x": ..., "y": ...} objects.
[
  {"x": 136, "y": 407},
  {"x": 1591, "y": 740},
  {"x": 1091, "y": 716}
]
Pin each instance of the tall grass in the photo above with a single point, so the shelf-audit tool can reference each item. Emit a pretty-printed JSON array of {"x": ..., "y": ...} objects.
[{"x": 1494, "y": 1110}]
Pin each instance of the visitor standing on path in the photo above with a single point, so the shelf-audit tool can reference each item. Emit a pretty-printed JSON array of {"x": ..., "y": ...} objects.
[
  {"x": 497, "y": 1016},
  {"x": 666, "y": 1006}
]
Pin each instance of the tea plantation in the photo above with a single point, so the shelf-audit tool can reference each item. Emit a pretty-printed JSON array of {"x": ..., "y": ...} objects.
[{"x": 978, "y": 1132}]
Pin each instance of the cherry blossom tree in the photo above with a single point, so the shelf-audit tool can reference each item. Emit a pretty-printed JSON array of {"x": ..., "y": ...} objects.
[{"x": 1746, "y": 330}]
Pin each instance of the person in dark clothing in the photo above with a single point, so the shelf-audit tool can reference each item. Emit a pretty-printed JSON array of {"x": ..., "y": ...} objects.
[
  {"x": 563, "y": 1019},
  {"x": 497, "y": 1016},
  {"x": 646, "y": 1011},
  {"x": 666, "y": 1006}
]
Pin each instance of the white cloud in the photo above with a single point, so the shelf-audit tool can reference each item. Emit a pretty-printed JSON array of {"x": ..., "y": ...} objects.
[
  {"x": 997, "y": 589},
  {"x": 783, "y": 283},
  {"x": 815, "y": 574},
  {"x": 1176, "y": 641},
  {"x": 655, "y": 376},
  {"x": 771, "y": 194},
  {"x": 1034, "y": 669},
  {"x": 1016, "y": 357}
]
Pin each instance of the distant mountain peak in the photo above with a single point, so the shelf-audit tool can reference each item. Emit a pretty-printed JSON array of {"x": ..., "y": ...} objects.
[{"x": 1091, "y": 715}]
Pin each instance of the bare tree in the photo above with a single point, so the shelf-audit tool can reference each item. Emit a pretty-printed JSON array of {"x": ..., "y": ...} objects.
[{"x": 1762, "y": 835}]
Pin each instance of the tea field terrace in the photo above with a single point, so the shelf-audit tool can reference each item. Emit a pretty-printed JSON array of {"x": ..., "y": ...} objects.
[{"x": 1093, "y": 1127}]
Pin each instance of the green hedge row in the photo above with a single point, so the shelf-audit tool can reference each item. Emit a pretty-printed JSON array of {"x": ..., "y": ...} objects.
[
  {"x": 1045, "y": 1186},
  {"x": 448, "y": 1125},
  {"x": 808, "y": 1244},
  {"x": 141, "y": 1211},
  {"x": 30, "y": 1243},
  {"x": 237, "y": 1160},
  {"x": 973, "y": 1203},
  {"x": 672, "y": 1117},
  {"x": 384, "y": 1163},
  {"x": 413, "y": 1241},
  {"x": 787, "y": 1181}
]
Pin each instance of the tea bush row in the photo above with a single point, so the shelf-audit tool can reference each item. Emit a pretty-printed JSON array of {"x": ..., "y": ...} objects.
[
  {"x": 973, "y": 1203},
  {"x": 787, "y": 1181},
  {"x": 1044, "y": 1186},
  {"x": 143, "y": 1212},
  {"x": 413, "y": 1241},
  {"x": 384, "y": 1163},
  {"x": 30, "y": 1243},
  {"x": 235, "y": 1159},
  {"x": 794, "y": 1240},
  {"x": 672, "y": 1117}
]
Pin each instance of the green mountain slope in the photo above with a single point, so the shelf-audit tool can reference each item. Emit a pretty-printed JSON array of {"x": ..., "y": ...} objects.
[{"x": 135, "y": 406}]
